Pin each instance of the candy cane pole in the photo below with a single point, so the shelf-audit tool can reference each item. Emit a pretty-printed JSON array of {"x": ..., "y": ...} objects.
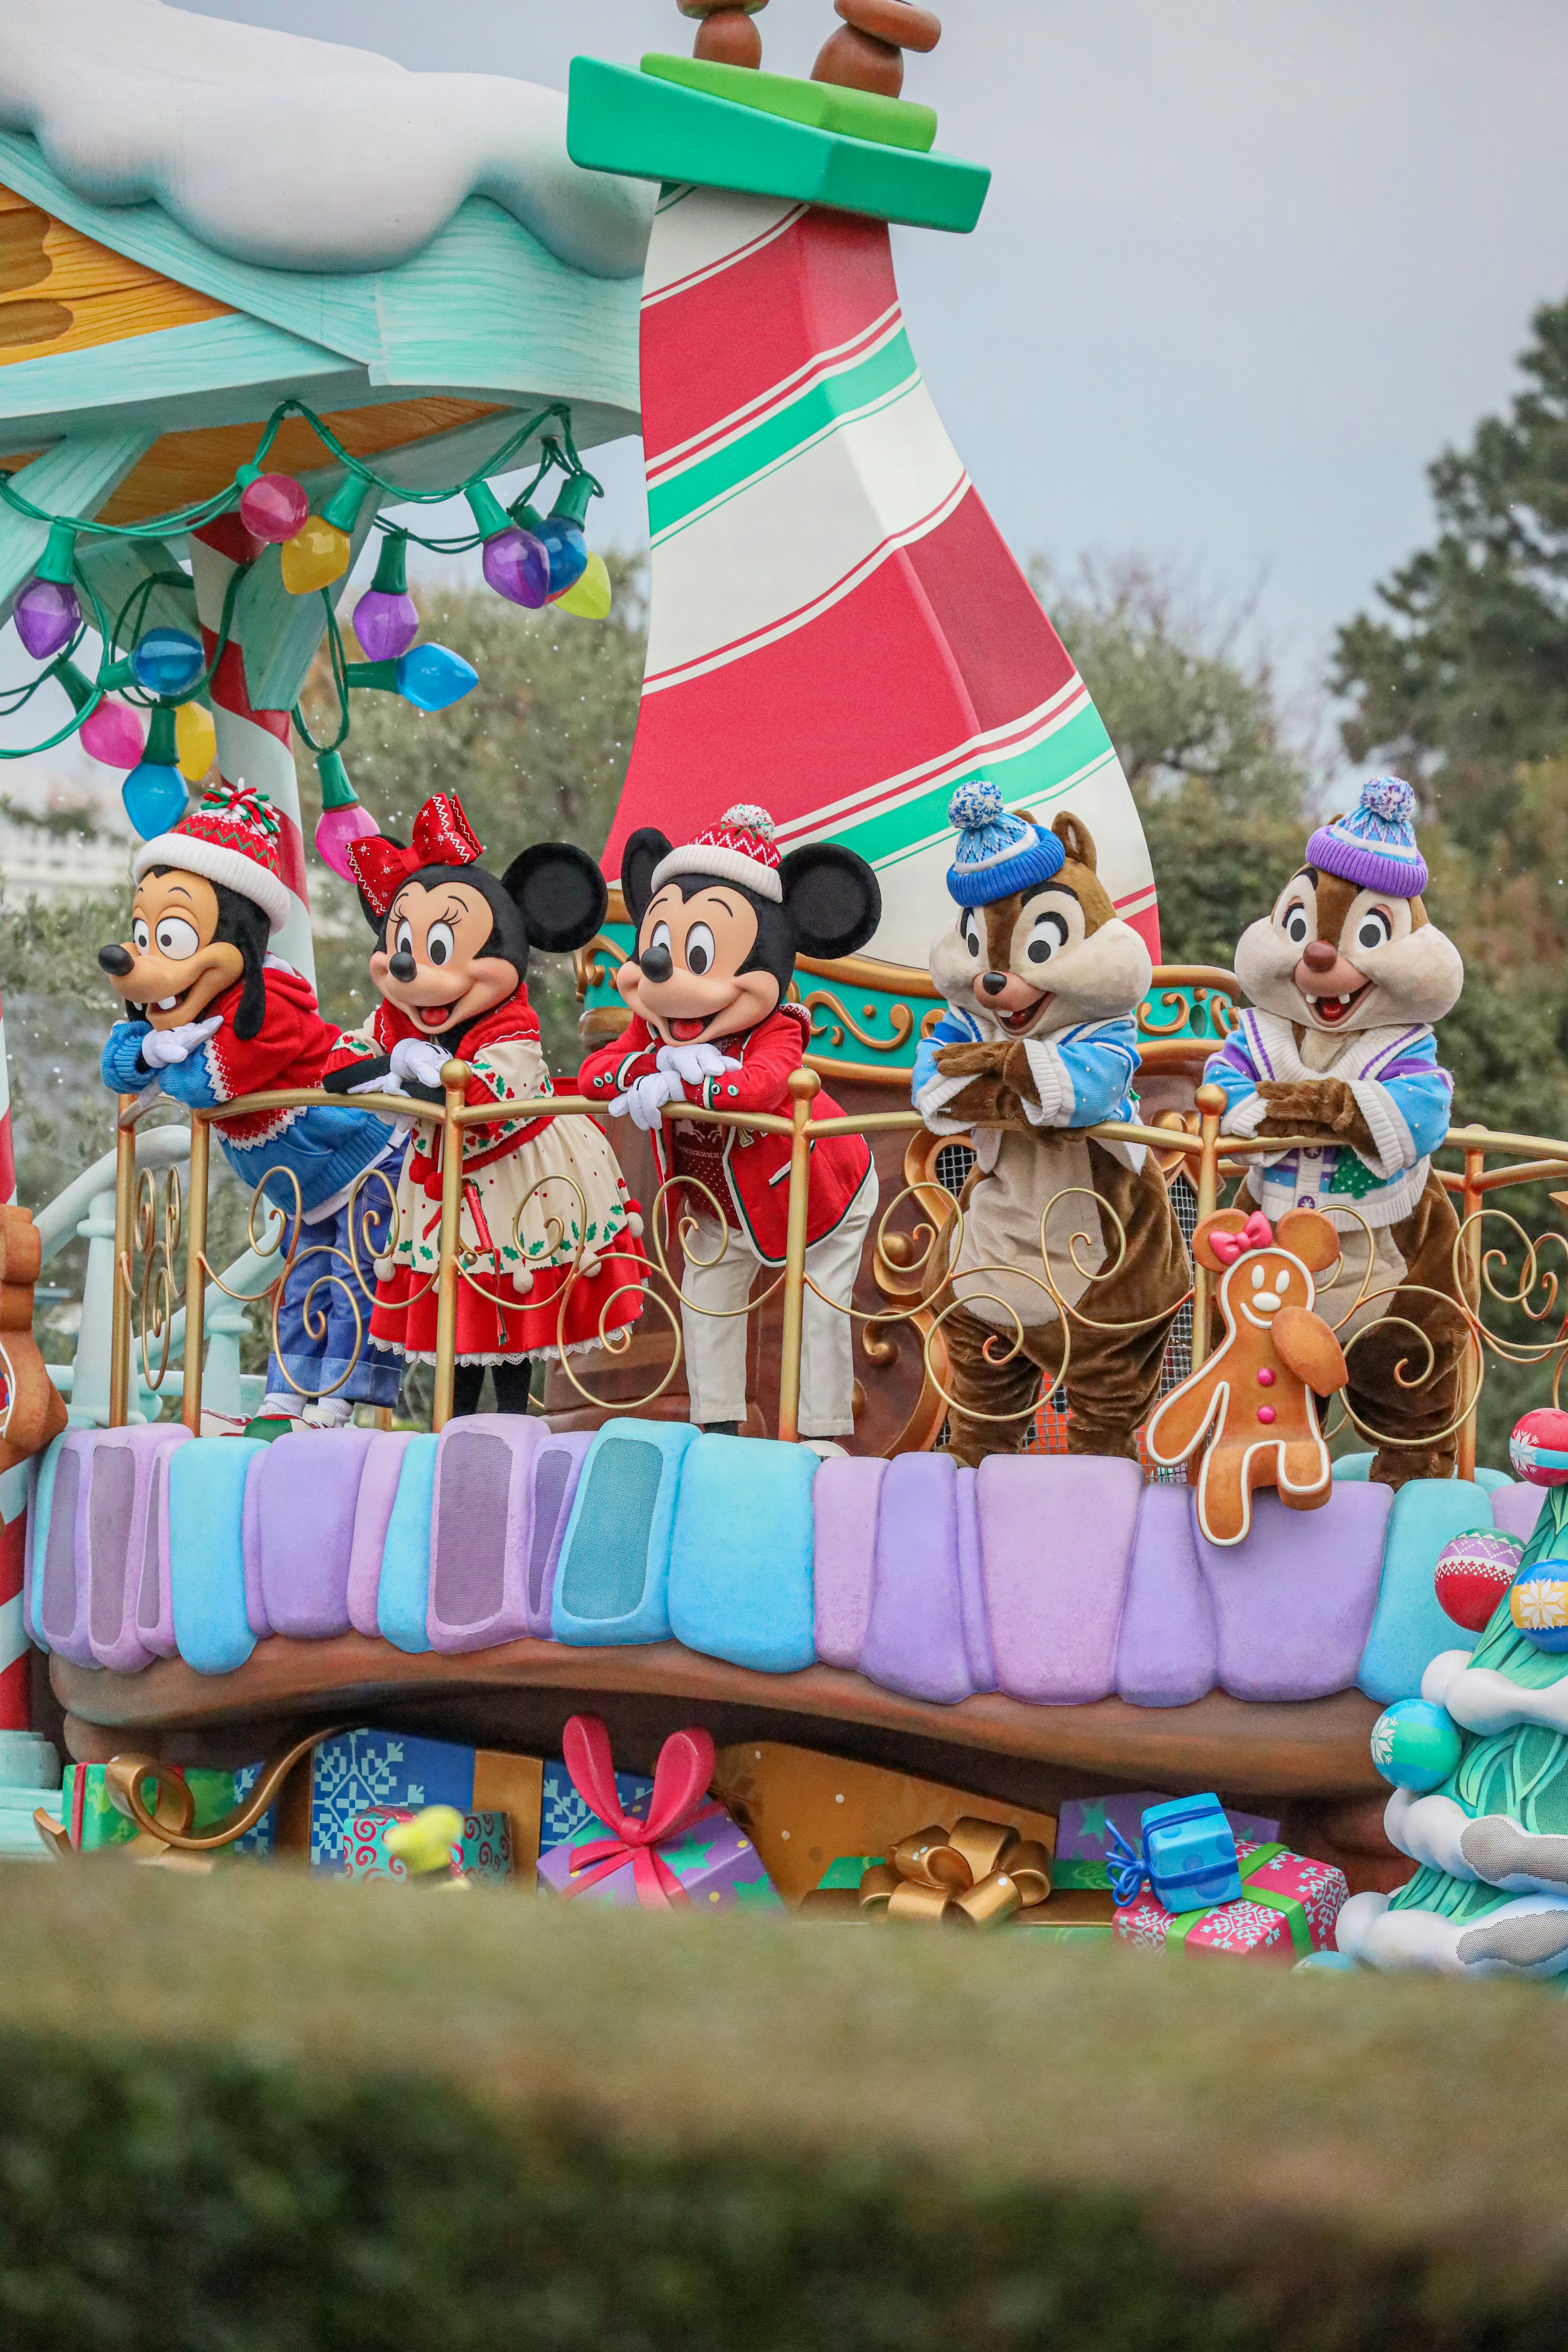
[{"x": 254, "y": 747}]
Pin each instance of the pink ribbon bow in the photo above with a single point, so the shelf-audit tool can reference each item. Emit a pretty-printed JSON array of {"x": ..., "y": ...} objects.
[
  {"x": 1257, "y": 1234},
  {"x": 680, "y": 1779}
]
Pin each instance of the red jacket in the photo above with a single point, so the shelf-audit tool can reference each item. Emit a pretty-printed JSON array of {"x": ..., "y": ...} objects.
[
  {"x": 512, "y": 1021},
  {"x": 756, "y": 1166}
]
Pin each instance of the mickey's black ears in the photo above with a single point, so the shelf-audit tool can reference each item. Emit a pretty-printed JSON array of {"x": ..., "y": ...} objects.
[
  {"x": 559, "y": 894},
  {"x": 642, "y": 853},
  {"x": 832, "y": 898}
]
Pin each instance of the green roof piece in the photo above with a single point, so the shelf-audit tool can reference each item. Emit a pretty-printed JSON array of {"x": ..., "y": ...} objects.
[
  {"x": 622, "y": 121},
  {"x": 72, "y": 478},
  {"x": 824, "y": 105}
]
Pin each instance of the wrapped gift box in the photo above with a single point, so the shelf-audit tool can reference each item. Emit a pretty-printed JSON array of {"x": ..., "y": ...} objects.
[
  {"x": 691, "y": 1852},
  {"x": 714, "y": 1861},
  {"x": 482, "y": 1852},
  {"x": 1084, "y": 1827},
  {"x": 93, "y": 1822},
  {"x": 566, "y": 1817},
  {"x": 359, "y": 1772},
  {"x": 1289, "y": 1907}
]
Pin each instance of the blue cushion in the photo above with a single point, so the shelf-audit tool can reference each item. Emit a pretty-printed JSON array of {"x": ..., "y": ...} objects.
[
  {"x": 206, "y": 1551},
  {"x": 1489, "y": 1480},
  {"x": 1408, "y": 1628},
  {"x": 1353, "y": 1466},
  {"x": 613, "y": 1583},
  {"x": 739, "y": 1574},
  {"x": 403, "y": 1599},
  {"x": 38, "y": 1537}
]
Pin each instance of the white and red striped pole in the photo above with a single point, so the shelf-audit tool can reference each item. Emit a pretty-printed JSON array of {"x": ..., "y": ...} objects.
[{"x": 254, "y": 747}]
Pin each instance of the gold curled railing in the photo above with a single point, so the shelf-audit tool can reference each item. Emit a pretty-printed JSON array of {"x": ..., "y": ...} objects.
[{"x": 1189, "y": 1144}]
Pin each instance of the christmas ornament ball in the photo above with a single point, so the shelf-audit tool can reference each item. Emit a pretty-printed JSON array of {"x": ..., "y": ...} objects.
[
  {"x": 1414, "y": 1745},
  {"x": 1538, "y": 1448},
  {"x": 1474, "y": 1574},
  {"x": 1537, "y": 1603}
]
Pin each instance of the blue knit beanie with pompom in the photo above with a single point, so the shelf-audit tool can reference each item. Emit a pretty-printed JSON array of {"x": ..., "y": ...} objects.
[{"x": 997, "y": 854}]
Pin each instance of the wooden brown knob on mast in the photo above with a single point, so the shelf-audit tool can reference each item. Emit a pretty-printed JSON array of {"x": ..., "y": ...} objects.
[
  {"x": 726, "y": 36},
  {"x": 867, "y": 51}
]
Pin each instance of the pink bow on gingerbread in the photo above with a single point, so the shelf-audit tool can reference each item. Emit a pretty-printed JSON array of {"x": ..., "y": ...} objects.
[
  {"x": 680, "y": 1779},
  {"x": 1257, "y": 1234}
]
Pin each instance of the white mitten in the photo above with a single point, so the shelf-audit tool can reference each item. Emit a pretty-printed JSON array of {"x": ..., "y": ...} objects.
[
  {"x": 692, "y": 1064},
  {"x": 645, "y": 1098},
  {"x": 417, "y": 1058},
  {"x": 389, "y": 1083},
  {"x": 162, "y": 1047}
]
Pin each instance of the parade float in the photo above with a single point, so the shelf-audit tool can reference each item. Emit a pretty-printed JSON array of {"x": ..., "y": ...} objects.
[{"x": 209, "y": 389}]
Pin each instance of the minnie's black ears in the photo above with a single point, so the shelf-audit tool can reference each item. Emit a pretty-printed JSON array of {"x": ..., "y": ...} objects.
[
  {"x": 559, "y": 894},
  {"x": 642, "y": 854},
  {"x": 832, "y": 897}
]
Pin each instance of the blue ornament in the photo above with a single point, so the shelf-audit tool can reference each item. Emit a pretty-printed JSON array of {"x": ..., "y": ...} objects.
[
  {"x": 167, "y": 661},
  {"x": 563, "y": 541},
  {"x": 1537, "y": 1603},
  {"x": 1414, "y": 1745},
  {"x": 154, "y": 798},
  {"x": 432, "y": 677}
]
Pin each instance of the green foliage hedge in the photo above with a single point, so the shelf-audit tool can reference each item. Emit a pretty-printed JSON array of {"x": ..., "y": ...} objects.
[{"x": 252, "y": 2114}]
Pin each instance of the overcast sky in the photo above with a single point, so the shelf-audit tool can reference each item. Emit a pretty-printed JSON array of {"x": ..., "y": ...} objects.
[{"x": 1243, "y": 269}]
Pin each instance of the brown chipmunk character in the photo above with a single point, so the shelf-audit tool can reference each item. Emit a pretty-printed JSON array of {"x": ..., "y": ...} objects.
[
  {"x": 1345, "y": 978},
  {"x": 1042, "y": 979},
  {"x": 1254, "y": 1399}
]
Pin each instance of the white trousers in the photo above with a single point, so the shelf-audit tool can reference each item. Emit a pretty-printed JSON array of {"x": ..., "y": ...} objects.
[{"x": 715, "y": 1338}]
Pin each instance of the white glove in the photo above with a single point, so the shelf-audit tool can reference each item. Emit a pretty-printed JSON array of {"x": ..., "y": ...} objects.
[
  {"x": 646, "y": 1099},
  {"x": 692, "y": 1064},
  {"x": 417, "y": 1058},
  {"x": 162, "y": 1047},
  {"x": 387, "y": 1084}
]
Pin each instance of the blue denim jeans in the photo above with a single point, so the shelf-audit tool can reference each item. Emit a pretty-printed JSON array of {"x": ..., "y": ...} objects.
[{"x": 316, "y": 1343}]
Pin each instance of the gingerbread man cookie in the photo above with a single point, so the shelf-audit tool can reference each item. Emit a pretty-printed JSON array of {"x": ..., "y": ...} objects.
[{"x": 1254, "y": 1399}]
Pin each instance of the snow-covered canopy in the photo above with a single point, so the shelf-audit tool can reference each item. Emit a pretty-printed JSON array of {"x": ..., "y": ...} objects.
[{"x": 294, "y": 154}]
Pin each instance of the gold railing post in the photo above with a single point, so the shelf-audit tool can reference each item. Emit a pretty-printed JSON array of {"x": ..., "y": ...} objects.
[
  {"x": 195, "y": 1277},
  {"x": 803, "y": 1085},
  {"x": 124, "y": 1217},
  {"x": 1471, "y": 1198},
  {"x": 1210, "y": 1102},
  {"x": 455, "y": 1078}
]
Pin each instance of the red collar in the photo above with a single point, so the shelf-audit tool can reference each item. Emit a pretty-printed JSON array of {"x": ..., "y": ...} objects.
[{"x": 513, "y": 1018}]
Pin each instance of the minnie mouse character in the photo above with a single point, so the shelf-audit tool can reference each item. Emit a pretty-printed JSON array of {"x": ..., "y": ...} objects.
[
  {"x": 547, "y": 1231},
  {"x": 720, "y": 923},
  {"x": 215, "y": 1016}
]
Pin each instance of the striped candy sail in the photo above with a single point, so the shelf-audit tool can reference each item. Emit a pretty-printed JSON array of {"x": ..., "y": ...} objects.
[
  {"x": 254, "y": 747},
  {"x": 838, "y": 629}
]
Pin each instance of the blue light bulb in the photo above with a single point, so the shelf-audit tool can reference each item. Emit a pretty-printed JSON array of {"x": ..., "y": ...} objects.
[
  {"x": 563, "y": 544},
  {"x": 167, "y": 661},
  {"x": 432, "y": 677},
  {"x": 154, "y": 798}
]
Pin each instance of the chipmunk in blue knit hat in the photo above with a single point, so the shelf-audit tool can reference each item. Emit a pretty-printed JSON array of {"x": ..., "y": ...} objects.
[{"x": 1346, "y": 977}]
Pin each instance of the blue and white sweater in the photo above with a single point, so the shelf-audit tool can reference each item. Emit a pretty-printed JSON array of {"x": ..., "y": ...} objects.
[
  {"x": 1399, "y": 1089},
  {"x": 1083, "y": 1076}
]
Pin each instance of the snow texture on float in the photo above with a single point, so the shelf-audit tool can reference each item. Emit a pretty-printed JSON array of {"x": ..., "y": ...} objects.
[
  {"x": 292, "y": 153},
  {"x": 1499, "y": 1943}
]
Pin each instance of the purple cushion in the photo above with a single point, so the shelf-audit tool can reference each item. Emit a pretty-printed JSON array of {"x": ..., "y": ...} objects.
[
  {"x": 971, "y": 1588},
  {"x": 1055, "y": 1541},
  {"x": 61, "y": 1582},
  {"x": 124, "y": 1527},
  {"x": 1165, "y": 1656},
  {"x": 1516, "y": 1507},
  {"x": 1293, "y": 1604},
  {"x": 479, "y": 1527},
  {"x": 844, "y": 1498},
  {"x": 557, "y": 1466},
  {"x": 306, "y": 1493},
  {"x": 914, "y": 1631},
  {"x": 373, "y": 1511}
]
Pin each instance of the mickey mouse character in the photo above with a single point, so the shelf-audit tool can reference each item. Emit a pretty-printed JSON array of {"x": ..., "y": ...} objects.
[
  {"x": 720, "y": 923},
  {"x": 1042, "y": 980},
  {"x": 1255, "y": 1400},
  {"x": 217, "y": 1016},
  {"x": 547, "y": 1229},
  {"x": 1346, "y": 977}
]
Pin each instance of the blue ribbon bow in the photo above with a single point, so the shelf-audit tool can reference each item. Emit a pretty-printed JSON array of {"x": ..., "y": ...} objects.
[{"x": 1128, "y": 1866}]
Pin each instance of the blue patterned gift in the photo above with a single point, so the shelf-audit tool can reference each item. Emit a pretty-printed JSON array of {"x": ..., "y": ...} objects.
[{"x": 357, "y": 1772}]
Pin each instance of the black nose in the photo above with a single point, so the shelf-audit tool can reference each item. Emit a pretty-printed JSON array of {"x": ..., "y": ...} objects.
[
  {"x": 995, "y": 982},
  {"x": 403, "y": 966},
  {"x": 657, "y": 963},
  {"x": 117, "y": 961}
]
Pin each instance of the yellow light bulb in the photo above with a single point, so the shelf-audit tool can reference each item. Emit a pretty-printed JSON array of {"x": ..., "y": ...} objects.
[
  {"x": 316, "y": 556},
  {"x": 196, "y": 739},
  {"x": 589, "y": 594}
]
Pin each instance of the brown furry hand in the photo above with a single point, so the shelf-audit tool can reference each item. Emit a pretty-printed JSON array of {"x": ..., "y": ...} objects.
[
  {"x": 986, "y": 1101},
  {"x": 986, "y": 1060},
  {"x": 1323, "y": 1109}
]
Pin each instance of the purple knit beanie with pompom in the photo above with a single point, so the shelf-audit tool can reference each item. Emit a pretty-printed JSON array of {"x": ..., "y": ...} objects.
[{"x": 1374, "y": 846}]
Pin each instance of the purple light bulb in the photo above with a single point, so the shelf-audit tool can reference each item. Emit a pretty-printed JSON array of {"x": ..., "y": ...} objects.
[
  {"x": 385, "y": 626},
  {"x": 518, "y": 568},
  {"x": 47, "y": 616}
]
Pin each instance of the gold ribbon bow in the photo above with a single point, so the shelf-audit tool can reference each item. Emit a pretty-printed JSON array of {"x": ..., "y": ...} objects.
[{"x": 978, "y": 1874}]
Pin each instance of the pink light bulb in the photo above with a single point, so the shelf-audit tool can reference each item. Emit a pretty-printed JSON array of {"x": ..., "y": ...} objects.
[
  {"x": 273, "y": 507},
  {"x": 336, "y": 828},
  {"x": 113, "y": 734}
]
